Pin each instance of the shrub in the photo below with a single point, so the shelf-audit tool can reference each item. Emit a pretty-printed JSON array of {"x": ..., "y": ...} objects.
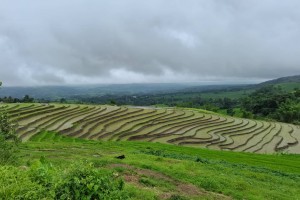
[
  {"x": 7, "y": 128},
  {"x": 148, "y": 182},
  {"x": 86, "y": 182},
  {"x": 43, "y": 173},
  {"x": 42, "y": 181},
  {"x": 8, "y": 140},
  {"x": 16, "y": 184},
  {"x": 177, "y": 197},
  {"x": 7, "y": 152}
]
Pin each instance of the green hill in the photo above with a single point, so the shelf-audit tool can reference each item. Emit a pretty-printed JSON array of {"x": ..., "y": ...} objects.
[{"x": 288, "y": 79}]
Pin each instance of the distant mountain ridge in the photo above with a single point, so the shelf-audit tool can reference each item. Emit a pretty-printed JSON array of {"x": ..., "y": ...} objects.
[
  {"x": 57, "y": 92},
  {"x": 287, "y": 79}
]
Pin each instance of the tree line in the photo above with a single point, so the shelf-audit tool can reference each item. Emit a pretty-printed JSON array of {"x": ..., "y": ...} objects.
[{"x": 268, "y": 102}]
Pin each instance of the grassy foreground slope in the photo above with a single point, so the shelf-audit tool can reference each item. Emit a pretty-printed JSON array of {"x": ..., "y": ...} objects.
[
  {"x": 185, "y": 127},
  {"x": 162, "y": 171}
]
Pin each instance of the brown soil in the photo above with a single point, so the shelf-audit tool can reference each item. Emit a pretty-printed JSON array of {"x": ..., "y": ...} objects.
[
  {"x": 189, "y": 189},
  {"x": 182, "y": 188}
]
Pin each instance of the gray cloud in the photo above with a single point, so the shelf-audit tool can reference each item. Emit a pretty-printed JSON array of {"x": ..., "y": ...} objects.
[{"x": 97, "y": 41}]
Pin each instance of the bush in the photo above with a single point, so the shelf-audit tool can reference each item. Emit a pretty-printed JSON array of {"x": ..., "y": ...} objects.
[
  {"x": 86, "y": 182},
  {"x": 177, "y": 197},
  {"x": 7, "y": 152},
  {"x": 42, "y": 181},
  {"x": 16, "y": 184},
  {"x": 8, "y": 140},
  {"x": 7, "y": 128},
  {"x": 43, "y": 173}
]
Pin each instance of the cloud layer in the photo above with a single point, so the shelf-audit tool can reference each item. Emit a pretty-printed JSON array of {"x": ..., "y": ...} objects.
[{"x": 97, "y": 41}]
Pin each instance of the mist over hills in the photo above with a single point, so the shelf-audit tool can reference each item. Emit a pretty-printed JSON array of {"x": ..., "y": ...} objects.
[
  {"x": 56, "y": 92},
  {"x": 287, "y": 79}
]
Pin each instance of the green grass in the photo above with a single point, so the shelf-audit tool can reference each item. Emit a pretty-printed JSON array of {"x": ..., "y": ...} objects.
[{"x": 160, "y": 169}]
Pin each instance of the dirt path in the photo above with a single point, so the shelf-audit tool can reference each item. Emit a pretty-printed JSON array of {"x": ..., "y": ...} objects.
[{"x": 133, "y": 175}]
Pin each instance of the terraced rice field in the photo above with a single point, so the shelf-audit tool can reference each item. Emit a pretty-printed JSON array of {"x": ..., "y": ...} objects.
[{"x": 175, "y": 126}]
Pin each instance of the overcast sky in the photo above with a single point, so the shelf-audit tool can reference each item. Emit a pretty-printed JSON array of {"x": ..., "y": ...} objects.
[{"x": 131, "y": 41}]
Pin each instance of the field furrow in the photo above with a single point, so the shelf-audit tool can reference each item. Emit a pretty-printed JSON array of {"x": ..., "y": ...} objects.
[
  {"x": 185, "y": 131},
  {"x": 267, "y": 137},
  {"x": 225, "y": 135},
  {"x": 201, "y": 133},
  {"x": 139, "y": 124},
  {"x": 286, "y": 138},
  {"x": 241, "y": 137},
  {"x": 101, "y": 129}
]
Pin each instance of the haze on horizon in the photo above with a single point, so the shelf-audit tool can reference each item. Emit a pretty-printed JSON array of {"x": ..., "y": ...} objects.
[{"x": 131, "y": 41}]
